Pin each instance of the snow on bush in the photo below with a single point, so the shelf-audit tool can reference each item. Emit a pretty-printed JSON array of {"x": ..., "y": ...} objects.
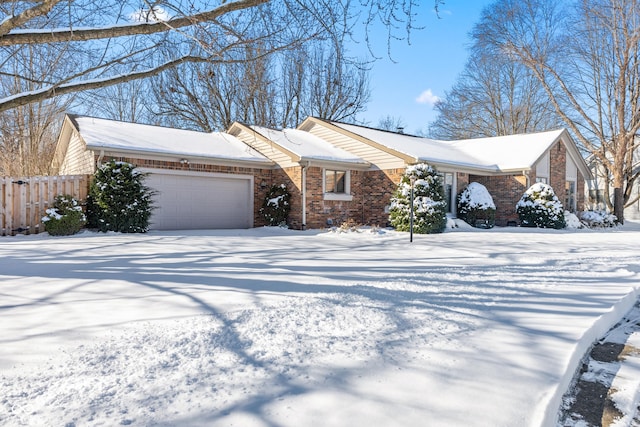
[
  {"x": 572, "y": 220},
  {"x": 476, "y": 207},
  {"x": 65, "y": 217},
  {"x": 598, "y": 219},
  {"x": 539, "y": 207},
  {"x": 118, "y": 199},
  {"x": 277, "y": 205},
  {"x": 428, "y": 201}
]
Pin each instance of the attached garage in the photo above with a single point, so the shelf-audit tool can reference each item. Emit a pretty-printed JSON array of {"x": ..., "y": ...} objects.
[
  {"x": 192, "y": 200},
  {"x": 203, "y": 180}
]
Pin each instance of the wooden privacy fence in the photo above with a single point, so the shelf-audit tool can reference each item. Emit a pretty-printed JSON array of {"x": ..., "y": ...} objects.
[{"x": 23, "y": 201}]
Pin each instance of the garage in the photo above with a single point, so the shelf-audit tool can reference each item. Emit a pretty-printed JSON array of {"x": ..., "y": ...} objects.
[{"x": 193, "y": 200}]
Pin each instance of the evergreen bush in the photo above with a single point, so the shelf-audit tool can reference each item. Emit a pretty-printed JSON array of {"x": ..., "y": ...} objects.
[
  {"x": 118, "y": 199},
  {"x": 598, "y": 219},
  {"x": 539, "y": 207},
  {"x": 476, "y": 207},
  {"x": 277, "y": 205},
  {"x": 65, "y": 217},
  {"x": 429, "y": 207}
]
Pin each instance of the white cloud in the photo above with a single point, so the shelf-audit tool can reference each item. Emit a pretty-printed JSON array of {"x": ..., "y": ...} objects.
[
  {"x": 427, "y": 97},
  {"x": 150, "y": 15}
]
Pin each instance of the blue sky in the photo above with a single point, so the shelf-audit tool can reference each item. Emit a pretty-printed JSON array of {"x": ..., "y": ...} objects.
[{"x": 423, "y": 70}]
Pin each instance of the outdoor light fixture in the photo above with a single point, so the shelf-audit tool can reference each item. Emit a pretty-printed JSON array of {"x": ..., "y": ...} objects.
[
  {"x": 263, "y": 183},
  {"x": 184, "y": 161},
  {"x": 412, "y": 178}
]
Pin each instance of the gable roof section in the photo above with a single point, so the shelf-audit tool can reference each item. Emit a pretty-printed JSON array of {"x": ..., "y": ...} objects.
[
  {"x": 494, "y": 155},
  {"x": 511, "y": 153},
  {"x": 415, "y": 148},
  {"x": 304, "y": 147},
  {"x": 140, "y": 139}
]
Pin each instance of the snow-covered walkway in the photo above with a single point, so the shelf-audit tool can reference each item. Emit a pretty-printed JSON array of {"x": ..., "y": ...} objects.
[{"x": 272, "y": 327}]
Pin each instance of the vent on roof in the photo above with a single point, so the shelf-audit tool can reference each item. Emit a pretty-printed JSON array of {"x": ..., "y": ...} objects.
[{"x": 400, "y": 129}]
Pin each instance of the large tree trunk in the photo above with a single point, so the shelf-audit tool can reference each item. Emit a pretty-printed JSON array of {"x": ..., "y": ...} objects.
[
  {"x": 618, "y": 204},
  {"x": 618, "y": 193}
]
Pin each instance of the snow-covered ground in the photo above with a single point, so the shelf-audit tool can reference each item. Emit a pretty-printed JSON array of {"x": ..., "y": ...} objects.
[{"x": 273, "y": 327}]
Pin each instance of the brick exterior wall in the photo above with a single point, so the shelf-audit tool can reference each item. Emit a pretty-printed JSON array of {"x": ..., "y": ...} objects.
[
  {"x": 371, "y": 193},
  {"x": 371, "y": 190},
  {"x": 558, "y": 170},
  {"x": 506, "y": 190}
]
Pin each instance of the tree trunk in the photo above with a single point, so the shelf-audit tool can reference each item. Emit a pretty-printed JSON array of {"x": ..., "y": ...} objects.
[{"x": 618, "y": 204}]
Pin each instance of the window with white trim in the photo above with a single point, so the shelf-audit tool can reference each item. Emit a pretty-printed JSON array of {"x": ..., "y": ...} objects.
[
  {"x": 336, "y": 184},
  {"x": 335, "y": 181}
]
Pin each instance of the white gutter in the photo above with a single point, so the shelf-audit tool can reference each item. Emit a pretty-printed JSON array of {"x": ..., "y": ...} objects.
[{"x": 527, "y": 178}]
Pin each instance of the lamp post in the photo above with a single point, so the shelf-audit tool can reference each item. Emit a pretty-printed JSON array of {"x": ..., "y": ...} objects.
[{"x": 412, "y": 179}]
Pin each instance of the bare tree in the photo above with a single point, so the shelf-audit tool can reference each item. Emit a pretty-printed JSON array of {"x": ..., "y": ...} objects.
[
  {"x": 275, "y": 90},
  {"x": 493, "y": 96},
  {"x": 338, "y": 87},
  {"x": 391, "y": 123},
  {"x": 28, "y": 133},
  {"x": 586, "y": 56},
  {"x": 115, "y": 41},
  {"x": 127, "y": 102}
]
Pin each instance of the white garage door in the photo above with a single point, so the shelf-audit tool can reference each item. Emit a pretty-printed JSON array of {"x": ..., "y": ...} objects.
[{"x": 200, "y": 201}]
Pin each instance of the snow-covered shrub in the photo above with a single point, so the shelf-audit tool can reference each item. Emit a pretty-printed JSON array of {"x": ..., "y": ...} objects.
[
  {"x": 118, "y": 199},
  {"x": 476, "y": 207},
  {"x": 572, "y": 220},
  {"x": 598, "y": 219},
  {"x": 65, "y": 217},
  {"x": 429, "y": 207},
  {"x": 277, "y": 205},
  {"x": 539, "y": 207}
]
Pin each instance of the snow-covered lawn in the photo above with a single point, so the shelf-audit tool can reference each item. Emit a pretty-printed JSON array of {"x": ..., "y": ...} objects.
[{"x": 273, "y": 327}]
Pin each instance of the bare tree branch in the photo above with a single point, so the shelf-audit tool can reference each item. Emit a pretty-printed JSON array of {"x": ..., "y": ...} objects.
[
  {"x": 57, "y": 90},
  {"x": 40, "y": 9},
  {"x": 19, "y": 37}
]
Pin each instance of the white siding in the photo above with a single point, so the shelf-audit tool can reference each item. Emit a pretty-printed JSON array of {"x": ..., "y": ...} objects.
[
  {"x": 379, "y": 159},
  {"x": 542, "y": 167},
  {"x": 267, "y": 149},
  {"x": 77, "y": 160},
  {"x": 572, "y": 170}
]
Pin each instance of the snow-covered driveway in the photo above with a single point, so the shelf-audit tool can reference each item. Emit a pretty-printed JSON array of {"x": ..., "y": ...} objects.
[{"x": 272, "y": 327}]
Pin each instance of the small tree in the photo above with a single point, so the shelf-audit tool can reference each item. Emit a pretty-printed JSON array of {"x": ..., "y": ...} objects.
[
  {"x": 429, "y": 207},
  {"x": 65, "y": 217},
  {"x": 476, "y": 207},
  {"x": 539, "y": 207},
  {"x": 118, "y": 199},
  {"x": 277, "y": 205}
]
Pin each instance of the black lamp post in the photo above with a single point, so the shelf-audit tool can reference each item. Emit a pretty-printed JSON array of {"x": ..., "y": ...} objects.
[{"x": 412, "y": 178}]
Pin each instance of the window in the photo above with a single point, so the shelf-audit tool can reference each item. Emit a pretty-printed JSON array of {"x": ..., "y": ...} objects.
[
  {"x": 570, "y": 196},
  {"x": 337, "y": 185},
  {"x": 542, "y": 179},
  {"x": 449, "y": 194},
  {"x": 335, "y": 181}
]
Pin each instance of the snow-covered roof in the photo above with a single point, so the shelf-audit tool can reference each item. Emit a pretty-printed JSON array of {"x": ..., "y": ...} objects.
[
  {"x": 139, "y": 138},
  {"x": 509, "y": 153},
  {"x": 496, "y": 154},
  {"x": 307, "y": 146}
]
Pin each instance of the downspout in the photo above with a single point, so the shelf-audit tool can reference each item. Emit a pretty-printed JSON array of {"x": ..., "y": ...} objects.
[
  {"x": 99, "y": 161},
  {"x": 304, "y": 196},
  {"x": 527, "y": 178}
]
